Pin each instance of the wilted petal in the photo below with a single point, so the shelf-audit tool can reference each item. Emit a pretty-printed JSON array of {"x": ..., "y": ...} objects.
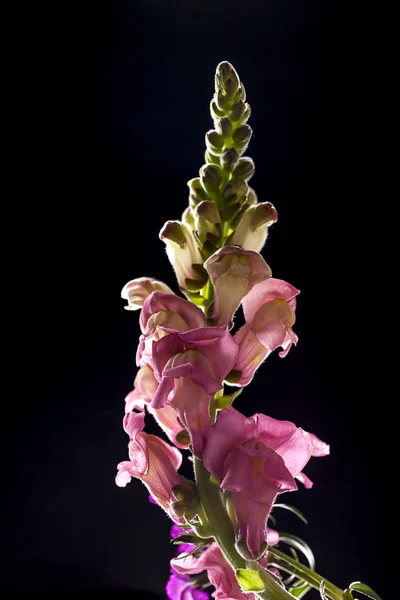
[
  {"x": 137, "y": 290},
  {"x": 233, "y": 273}
]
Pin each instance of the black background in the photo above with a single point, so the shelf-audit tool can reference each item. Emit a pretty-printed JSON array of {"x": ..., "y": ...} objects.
[{"x": 116, "y": 110}]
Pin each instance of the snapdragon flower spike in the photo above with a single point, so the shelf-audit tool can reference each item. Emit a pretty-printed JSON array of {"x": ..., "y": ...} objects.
[
  {"x": 137, "y": 290},
  {"x": 255, "y": 458},
  {"x": 161, "y": 314},
  {"x": 191, "y": 367},
  {"x": 145, "y": 386},
  {"x": 269, "y": 310},
  {"x": 184, "y": 255},
  {"x": 219, "y": 571},
  {"x": 233, "y": 273},
  {"x": 153, "y": 461}
]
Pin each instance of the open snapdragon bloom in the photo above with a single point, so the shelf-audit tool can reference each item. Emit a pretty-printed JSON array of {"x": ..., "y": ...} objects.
[
  {"x": 145, "y": 386},
  {"x": 162, "y": 313},
  {"x": 269, "y": 310},
  {"x": 233, "y": 273},
  {"x": 153, "y": 461},
  {"x": 191, "y": 367},
  {"x": 256, "y": 459},
  {"x": 137, "y": 290}
]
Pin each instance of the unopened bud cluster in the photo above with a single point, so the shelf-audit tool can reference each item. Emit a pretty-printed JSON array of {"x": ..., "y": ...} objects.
[{"x": 222, "y": 209}]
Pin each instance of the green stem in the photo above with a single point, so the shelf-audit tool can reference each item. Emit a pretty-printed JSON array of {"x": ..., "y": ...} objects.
[
  {"x": 222, "y": 531},
  {"x": 282, "y": 561}
]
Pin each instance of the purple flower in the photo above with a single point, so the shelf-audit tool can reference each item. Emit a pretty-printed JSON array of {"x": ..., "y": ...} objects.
[{"x": 179, "y": 587}]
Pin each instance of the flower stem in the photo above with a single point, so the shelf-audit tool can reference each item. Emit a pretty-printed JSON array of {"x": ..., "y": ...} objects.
[
  {"x": 290, "y": 565},
  {"x": 221, "y": 529}
]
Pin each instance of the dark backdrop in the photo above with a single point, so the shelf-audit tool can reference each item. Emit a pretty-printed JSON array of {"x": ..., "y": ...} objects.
[{"x": 118, "y": 107}]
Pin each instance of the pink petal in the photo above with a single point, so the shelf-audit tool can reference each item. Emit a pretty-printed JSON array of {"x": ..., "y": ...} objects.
[
  {"x": 133, "y": 423},
  {"x": 230, "y": 429},
  {"x": 306, "y": 481},
  {"x": 265, "y": 291},
  {"x": 233, "y": 272},
  {"x": 319, "y": 448},
  {"x": 251, "y": 354},
  {"x": 160, "y": 301}
]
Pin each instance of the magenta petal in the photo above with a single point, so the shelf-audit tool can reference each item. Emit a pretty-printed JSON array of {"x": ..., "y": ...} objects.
[{"x": 231, "y": 428}]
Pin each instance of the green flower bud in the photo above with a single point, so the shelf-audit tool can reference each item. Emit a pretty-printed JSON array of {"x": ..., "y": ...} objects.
[
  {"x": 251, "y": 197},
  {"x": 226, "y": 79},
  {"x": 216, "y": 113},
  {"x": 229, "y": 159},
  {"x": 187, "y": 217},
  {"x": 214, "y": 141},
  {"x": 210, "y": 177},
  {"x": 244, "y": 169},
  {"x": 235, "y": 191},
  {"x": 241, "y": 547},
  {"x": 222, "y": 101},
  {"x": 224, "y": 127},
  {"x": 241, "y": 93},
  {"x": 211, "y": 158},
  {"x": 241, "y": 137},
  {"x": 237, "y": 111},
  {"x": 199, "y": 280},
  {"x": 197, "y": 192},
  {"x": 208, "y": 222}
]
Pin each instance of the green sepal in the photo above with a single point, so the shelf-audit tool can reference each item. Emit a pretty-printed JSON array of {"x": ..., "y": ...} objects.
[{"x": 250, "y": 581}]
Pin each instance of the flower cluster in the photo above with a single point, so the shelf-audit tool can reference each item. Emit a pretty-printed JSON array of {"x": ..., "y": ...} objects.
[{"x": 189, "y": 350}]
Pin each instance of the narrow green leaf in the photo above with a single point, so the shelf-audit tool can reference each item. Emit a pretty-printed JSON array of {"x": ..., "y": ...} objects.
[
  {"x": 299, "y": 591},
  {"x": 292, "y": 509},
  {"x": 364, "y": 589},
  {"x": 250, "y": 581},
  {"x": 299, "y": 544}
]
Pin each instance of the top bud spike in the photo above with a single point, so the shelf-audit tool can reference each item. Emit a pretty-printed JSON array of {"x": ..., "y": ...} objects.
[{"x": 226, "y": 79}]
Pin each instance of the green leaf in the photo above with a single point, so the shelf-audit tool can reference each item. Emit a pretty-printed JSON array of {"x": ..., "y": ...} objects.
[
  {"x": 299, "y": 591},
  {"x": 250, "y": 581},
  {"x": 347, "y": 595},
  {"x": 299, "y": 544},
  {"x": 292, "y": 509},
  {"x": 364, "y": 589}
]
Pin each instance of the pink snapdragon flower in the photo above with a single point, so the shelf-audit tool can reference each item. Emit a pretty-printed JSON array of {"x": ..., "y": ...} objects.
[
  {"x": 161, "y": 314},
  {"x": 255, "y": 458},
  {"x": 145, "y": 386},
  {"x": 269, "y": 310},
  {"x": 153, "y": 461},
  {"x": 233, "y": 273},
  {"x": 191, "y": 367},
  {"x": 137, "y": 290},
  {"x": 219, "y": 572}
]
